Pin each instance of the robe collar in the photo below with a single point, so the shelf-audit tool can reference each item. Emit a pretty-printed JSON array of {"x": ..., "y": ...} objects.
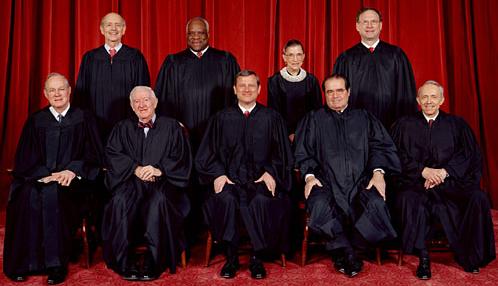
[
  {"x": 203, "y": 51},
  {"x": 117, "y": 47},
  {"x": 56, "y": 114},
  {"x": 372, "y": 46}
]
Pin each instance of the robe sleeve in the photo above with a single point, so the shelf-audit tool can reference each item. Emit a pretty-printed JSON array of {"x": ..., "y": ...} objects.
[
  {"x": 81, "y": 96},
  {"x": 282, "y": 161},
  {"x": 341, "y": 65},
  {"x": 405, "y": 103},
  {"x": 305, "y": 146},
  {"x": 120, "y": 165},
  {"x": 207, "y": 160},
  {"x": 465, "y": 164},
  {"x": 176, "y": 165},
  {"x": 232, "y": 68},
  {"x": 88, "y": 166},
  {"x": 273, "y": 95},
  {"x": 382, "y": 152},
  {"x": 165, "y": 88},
  {"x": 411, "y": 168},
  {"x": 142, "y": 71},
  {"x": 29, "y": 162},
  {"x": 316, "y": 94}
]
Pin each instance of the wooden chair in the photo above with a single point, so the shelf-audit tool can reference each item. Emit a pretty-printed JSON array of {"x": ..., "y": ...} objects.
[{"x": 209, "y": 246}]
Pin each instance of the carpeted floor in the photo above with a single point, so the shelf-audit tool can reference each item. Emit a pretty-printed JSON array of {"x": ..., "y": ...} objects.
[{"x": 318, "y": 271}]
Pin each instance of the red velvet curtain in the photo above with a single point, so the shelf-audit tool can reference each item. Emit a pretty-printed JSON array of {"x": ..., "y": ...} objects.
[{"x": 451, "y": 41}]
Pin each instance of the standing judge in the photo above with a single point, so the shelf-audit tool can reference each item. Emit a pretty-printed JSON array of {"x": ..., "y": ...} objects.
[
  {"x": 149, "y": 163},
  {"x": 292, "y": 91},
  {"x": 380, "y": 74},
  {"x": 195, "y": 83},
  {"x": 440, "y": 182},
  {"x": 58, "y": 151},
  {"x": 246, "y": 155},
  {"x": 107, "y": 75},
  {"x": 343, "y": 154}
]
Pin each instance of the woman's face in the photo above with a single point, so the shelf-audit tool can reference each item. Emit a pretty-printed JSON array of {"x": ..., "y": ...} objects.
[{"x": 294, "y": 58}]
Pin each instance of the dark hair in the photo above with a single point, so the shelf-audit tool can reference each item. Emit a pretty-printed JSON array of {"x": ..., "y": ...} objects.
[
  {"x": 365, "y": 9},
  {"x": 245, "y": 73},
  {"x": 292, "y": 43},
  {"x": 336, "y": 76}
]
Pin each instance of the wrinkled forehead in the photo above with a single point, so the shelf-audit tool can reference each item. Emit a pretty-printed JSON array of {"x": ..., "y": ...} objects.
[
  {"x": 429, "y": 89},
  {"x": 56, "y": 82},
  {"x": 112, "y": 18},
  {"x": 335, "y": 83}
]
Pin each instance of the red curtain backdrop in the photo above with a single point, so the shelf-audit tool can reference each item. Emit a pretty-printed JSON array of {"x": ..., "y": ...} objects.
[{"x": 452, "y": 41}]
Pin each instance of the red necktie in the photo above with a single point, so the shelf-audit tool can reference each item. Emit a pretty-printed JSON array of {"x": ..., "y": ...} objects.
[
  {"x": 430, "y": 122},
  {"x": 112, "y": 52},
  {"x": 246, "y": 113},
  {"x": 145, "y": 124},
  {"x": 199, "y": 55},
  {"x": 372, "y": 49}
]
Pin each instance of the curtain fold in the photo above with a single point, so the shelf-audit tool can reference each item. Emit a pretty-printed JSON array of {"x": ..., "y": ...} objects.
[{"x": 451, "y": 41}]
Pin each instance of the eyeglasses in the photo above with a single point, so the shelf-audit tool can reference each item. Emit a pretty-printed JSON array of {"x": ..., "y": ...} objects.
[{"x": 294, "y": 56}]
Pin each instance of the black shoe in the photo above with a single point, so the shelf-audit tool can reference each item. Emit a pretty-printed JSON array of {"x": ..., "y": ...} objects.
[
  {"x": 131, "y": 272},
  {"x": 472, "y": 269},
  {"x": 424, "y": 269},
  {"x": 339, "y": 263},
  {"x": 257, "y": 268},
  {"x": 56, "y": 275},
  {"x": 230, "y": 268},
  {"x": 352, "y": 266},
  {"x": 17, "y": 277},
  {"x": 148, "y": 273}
]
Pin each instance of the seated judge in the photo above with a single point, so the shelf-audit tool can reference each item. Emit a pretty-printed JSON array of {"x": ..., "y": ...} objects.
[
  {"x": 245, "y": 154},
  {"x": 58, "y": 150},
  {"x": 149, "y": 163},
  {"x": 441, "y": 165},
  {"x": 343, "y": 154}
]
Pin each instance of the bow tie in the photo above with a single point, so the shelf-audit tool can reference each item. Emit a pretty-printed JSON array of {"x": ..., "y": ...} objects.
[{"x": 146, "y": 124}]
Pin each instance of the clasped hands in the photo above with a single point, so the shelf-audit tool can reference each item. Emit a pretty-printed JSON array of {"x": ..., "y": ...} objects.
[
  {"x": 270, "y": 183},
  {"x": 63, "y": 178},
  {"x": 433, "y": 177},
  {"x": 147, "y": 173}
]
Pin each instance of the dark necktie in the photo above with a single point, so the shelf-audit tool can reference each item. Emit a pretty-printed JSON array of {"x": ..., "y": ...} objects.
[
  {"x": 145, "y": 125},
  {"x": 112, "y": 53},
  {"x": 199, "y": 55},
  {"x": 59, "y": 117},
  {"x": 246, "y": 113},
  {"x": 430, "y": 122},
  {"x": 371, "y": 49}
]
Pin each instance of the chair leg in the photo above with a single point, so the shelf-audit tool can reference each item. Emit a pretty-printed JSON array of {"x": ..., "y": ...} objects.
[
  {"x": 86, "y": 247},
  {"x": 284, "y": 261},
  {"x": 184, "y": 260},
  {"x": 304, "y": 247},
  {"x": 400, "y": 257},
  {"x": 378, "y": 256},
  {"x": 209, "y": 244}
]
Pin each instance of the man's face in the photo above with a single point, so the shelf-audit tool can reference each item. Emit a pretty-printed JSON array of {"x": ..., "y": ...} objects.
[
  {"x": 336, "y": 94},
  {"x": 197, "y": 35},
  {"x": 144, "y": 105},
  {"x": 58, "y": 92},
  {"x": 247, "y": 89},
  {"x": 430, "y": 99},
  {"x": 113, "y": 28},
  {"x": 369, "y": 26},
  {"x": 294, "y": 58}
]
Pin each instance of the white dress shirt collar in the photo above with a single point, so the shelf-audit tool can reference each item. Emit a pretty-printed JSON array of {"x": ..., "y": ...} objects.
[
  {"x": 56, "y": 114},
  {"x": 117, "y": 47}
]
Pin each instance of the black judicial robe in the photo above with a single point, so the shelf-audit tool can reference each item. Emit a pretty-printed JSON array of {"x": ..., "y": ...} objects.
[
  {"x": 459, "y": 204},
  {"x": 191, "y": 90},
  {"x": 150, "y": 212},
  {"x": 294, "y": 99},
  {"x": 37, "y": 231},
  {"x": 243, "y": 149},
  {"x": 382, "y": 82},
  {"x": 342, "y": 150},
  {"x": 104, "y": 87}
]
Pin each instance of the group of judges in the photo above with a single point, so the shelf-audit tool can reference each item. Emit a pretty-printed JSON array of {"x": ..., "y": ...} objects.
[{"x": 373, "y": 168}]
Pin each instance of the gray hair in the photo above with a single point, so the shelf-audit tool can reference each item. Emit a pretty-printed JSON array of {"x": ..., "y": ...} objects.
[
  {"x": 142, "y": 88},
  {"x": 432, "y": 82},
  {"x": 200, "y": 19},
  {"x": 56, "y": 74}
]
